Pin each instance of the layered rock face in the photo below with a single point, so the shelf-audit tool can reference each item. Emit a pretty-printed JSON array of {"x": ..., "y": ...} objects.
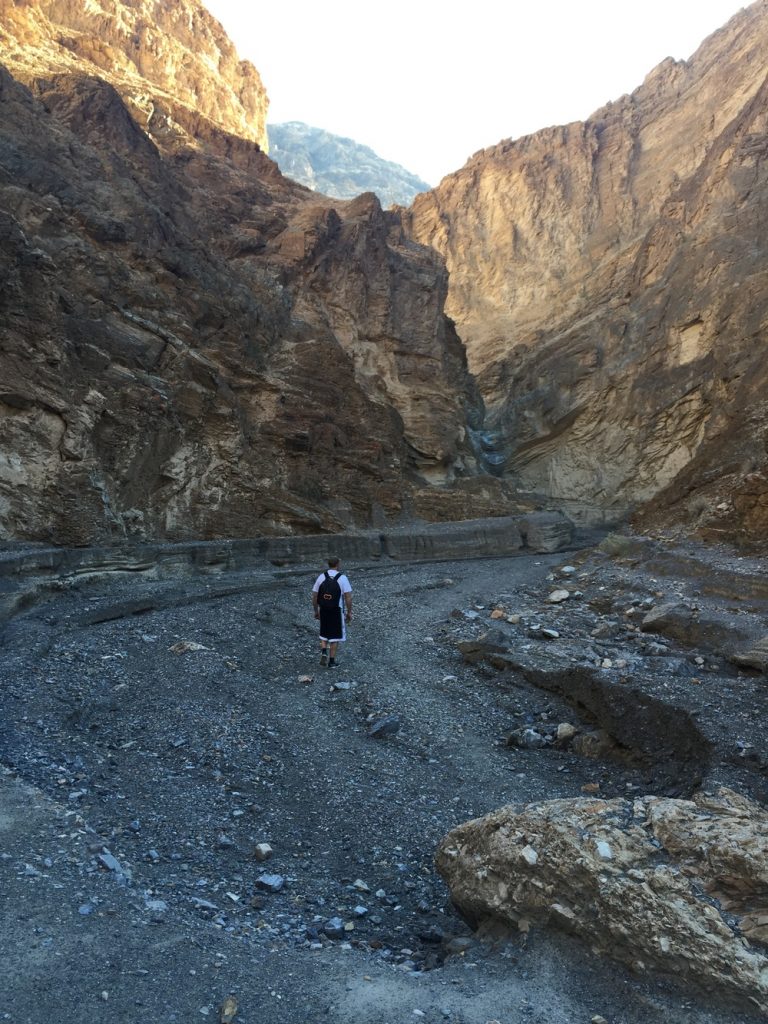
[
  {"x": 172, "y": 62},
  {"x": 609, "y": 281},
  {"x": 661, "y": 884},
  {"x": 193, "y": 346}
]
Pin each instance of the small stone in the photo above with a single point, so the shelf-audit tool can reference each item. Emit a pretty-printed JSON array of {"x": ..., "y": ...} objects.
[
  {"x": 549, "y": 634},
  {"x": 306, "y": 680},
  {"x": 597, "y": 1019},
  {"x": 361, "y": 886},
  {"x": 360, "y": 911},
  {"x": 228, "y": 1010},
  {"x": 497, "y": 613},
  {"x": 203, "y": 904},
  {"x": 567, "y": 570},
  {"x": 529, "y": 855},
  {"x": 270, "y": 883},
  {"x": 514, "y": 620},
  {"x": 527, "y": 739},
  {"x": 85, "y": 909},
  {"x": 604, "y": 850},
  {"x": 606, "y": 663},
  {"x": 566, "y": 731},
  {"x": 590, "y": 787},
  {"x": 263, "y": 851},
  {"x": 558, "y": 596},
  {"x": 387, "y": 726},
  {"x": 334, "y": 928},
  {"x": 224, "y": 842},
  {"x": 341, "y": 685}
]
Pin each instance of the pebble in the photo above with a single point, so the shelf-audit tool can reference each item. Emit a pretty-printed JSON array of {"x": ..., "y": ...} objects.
[
  {"x": 263, "y": 851},
  {"x": 271, "y": 883},
  {"x": 558, "y": 596},
  {"x": 334, "y": 928},
  {"x": 529, "y": 855},
  {"x": 386, "y": 726}
]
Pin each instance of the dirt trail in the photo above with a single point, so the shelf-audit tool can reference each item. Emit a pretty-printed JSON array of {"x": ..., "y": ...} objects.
[{"x": 177, "y": 764}]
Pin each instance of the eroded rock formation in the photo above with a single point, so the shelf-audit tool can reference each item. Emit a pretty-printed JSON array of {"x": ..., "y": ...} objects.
[
  {"x": 672, "y": 885},
  {"x": 193, "y": 346},
  {"x": 609, "y": 281},
  {"x": 173, "y": 63}
]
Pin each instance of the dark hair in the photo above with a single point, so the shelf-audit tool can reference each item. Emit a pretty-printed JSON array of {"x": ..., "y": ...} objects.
[{"x": 333, "y": 562}]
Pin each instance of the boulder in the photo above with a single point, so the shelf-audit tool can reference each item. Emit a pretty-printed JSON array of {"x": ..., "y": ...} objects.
[
  {"x": 657, "y": 883},
  {"x": 754, "y": 655}
]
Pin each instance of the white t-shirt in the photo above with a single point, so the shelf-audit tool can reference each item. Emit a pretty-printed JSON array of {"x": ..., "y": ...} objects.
[{"x": 346, "y": 586}]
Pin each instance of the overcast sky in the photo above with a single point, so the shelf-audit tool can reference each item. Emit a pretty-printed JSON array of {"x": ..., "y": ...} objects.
[{"x": 426, "y": 83}]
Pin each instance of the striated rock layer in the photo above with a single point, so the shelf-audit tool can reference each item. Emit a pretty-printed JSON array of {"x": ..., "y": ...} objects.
[
  {"x": 672, "y": 885},
  {"x": 609, "y": 279},
  {"x": 190, "y": 344},
  {"x": 172, "y": 62}
]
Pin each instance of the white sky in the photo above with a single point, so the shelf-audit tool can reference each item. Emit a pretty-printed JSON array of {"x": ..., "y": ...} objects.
[{"x": 427, "y": 83}]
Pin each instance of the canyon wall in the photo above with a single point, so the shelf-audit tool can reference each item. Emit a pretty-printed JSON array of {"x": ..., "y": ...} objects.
[
  {"x": 190, "y": 344},
  {"x": 173, "y": 62},
  {"x": 609, "y": 281}
]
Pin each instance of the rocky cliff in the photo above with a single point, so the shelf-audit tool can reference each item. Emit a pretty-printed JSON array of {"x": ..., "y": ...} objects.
[
  {"x": 609, "y": 281},
  {"x": 172, "y": 62},
  {"x": 339, "y": 167},
  {"x": 193, "y": 346}
]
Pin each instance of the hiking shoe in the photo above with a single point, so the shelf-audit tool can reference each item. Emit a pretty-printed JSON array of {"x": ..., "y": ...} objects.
[
  {"x": 333, "y": 663},
  {"x": 323, "y": 657}
]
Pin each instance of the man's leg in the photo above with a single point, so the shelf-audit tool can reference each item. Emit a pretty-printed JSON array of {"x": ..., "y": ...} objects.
[{"x": 323, "y": 652}]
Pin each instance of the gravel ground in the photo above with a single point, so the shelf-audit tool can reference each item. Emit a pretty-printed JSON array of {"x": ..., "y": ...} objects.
[{"x": 146, "y": 756}]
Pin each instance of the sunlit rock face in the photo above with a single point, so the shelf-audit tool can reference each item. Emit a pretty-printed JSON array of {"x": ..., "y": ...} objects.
[
  {"x": 193, "y": 346},
  {"x": 609, "y": 281},
  {"x": 172, "y": 62}
]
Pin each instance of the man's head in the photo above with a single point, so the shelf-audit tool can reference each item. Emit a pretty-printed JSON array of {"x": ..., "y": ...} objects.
[{"x": 333, "y": 562}]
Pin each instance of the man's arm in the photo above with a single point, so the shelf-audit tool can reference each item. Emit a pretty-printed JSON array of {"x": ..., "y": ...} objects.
[
  {"x": 348, "y": 604},
  {"x": 315, "y": 608}
]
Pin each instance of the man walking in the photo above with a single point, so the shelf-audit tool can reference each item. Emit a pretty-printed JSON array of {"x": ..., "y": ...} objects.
[{"x": 332, "y": 604}]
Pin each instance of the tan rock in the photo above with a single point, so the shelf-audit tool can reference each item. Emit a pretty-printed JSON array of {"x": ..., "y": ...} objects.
[
  {"x": 224, "y": 353},
  {"x": 593, "y": 303},
  {"x": 605, "y": 881}
]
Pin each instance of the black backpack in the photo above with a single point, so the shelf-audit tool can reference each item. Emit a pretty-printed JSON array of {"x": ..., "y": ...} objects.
[{"x": 329, "y": 591}]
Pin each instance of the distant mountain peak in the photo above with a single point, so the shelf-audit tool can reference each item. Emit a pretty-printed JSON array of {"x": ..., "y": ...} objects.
[{"x": 339, "y": 167}]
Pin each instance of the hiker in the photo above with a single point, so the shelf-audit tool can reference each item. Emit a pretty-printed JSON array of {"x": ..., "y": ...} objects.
[{"x": 332, "y": 604}]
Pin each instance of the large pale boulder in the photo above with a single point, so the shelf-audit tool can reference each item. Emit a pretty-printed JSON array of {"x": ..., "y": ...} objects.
[{"x": 679, "y": 886}]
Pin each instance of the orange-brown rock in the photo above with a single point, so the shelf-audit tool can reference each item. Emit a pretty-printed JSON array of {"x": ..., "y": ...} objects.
[
  {"x": 608, "y": 279},
  {"x": 192, "y": 345},
  {"x": 172, "y": 63}
]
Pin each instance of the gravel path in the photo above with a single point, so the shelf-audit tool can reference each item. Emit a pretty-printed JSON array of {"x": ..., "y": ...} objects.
[{"x": 146, "y": 757}]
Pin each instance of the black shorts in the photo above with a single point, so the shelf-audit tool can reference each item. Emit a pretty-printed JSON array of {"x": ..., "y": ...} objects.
[{"x": 331, "y": 624}]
